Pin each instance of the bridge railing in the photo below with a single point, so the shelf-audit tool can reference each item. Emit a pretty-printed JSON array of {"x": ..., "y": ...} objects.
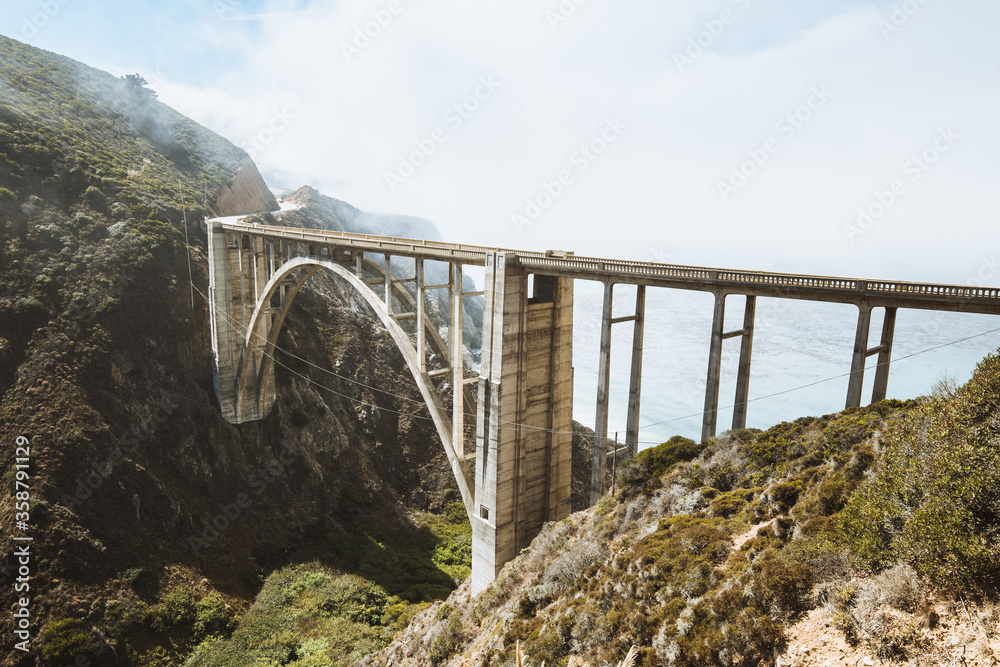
[
  {"x": 371, "y": 243},
  {"x": 958, "y": 291},
  {"x": 790, "y": 280},
  {"x": 609, "y": 269},
  {"x": 724, "y": 277}
]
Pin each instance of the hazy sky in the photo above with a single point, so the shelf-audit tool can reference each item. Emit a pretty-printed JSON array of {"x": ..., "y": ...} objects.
[{"x": 735, "y": 133}]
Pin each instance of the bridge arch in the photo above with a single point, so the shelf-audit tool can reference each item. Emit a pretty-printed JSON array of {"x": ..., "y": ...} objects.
[
  {"x": 254, "y": 373},
  {"x": 523, "y": 401}
]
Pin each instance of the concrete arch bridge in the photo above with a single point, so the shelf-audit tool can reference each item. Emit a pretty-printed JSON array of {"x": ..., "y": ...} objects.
[{"x": 516, "y": 475}]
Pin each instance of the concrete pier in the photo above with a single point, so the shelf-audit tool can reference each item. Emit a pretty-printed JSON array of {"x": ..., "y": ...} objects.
[
  {"x": 601, "y": 435},
  {"x": 524, "y": 430},
  {"x": 635, "y": 376}
]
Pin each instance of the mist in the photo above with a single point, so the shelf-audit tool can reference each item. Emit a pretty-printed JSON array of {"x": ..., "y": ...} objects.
[{"x": 749, "y": 134}]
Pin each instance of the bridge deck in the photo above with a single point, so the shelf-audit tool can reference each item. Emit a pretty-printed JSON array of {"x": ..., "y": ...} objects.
[{"x": 888, "y": 293}]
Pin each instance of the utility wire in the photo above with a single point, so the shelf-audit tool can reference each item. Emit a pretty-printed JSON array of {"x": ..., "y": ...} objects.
[
  {"x": 829, "y": 379},
  {"x": 277, "y": 361},
  {"x": 364, "y": 403},
  {"x": 242, "y": 332}
]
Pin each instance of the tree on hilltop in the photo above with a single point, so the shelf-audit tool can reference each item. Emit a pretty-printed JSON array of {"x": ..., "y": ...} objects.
[{"x": 137, "y": 87}]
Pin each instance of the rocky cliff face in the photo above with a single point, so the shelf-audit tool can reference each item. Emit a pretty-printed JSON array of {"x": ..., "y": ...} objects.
[{"x": 246, "y": 194}]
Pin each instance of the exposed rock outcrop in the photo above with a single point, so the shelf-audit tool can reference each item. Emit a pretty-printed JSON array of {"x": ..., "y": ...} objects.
[{"x": 248, "y": 193}]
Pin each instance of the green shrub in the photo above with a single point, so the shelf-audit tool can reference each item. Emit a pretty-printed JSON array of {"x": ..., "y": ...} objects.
[
  {"x": 851, "y": 428},
  {"x": 211, "y": 618},
  {"x": 932, "y": 500},
  {"x": 777, "y": 445},
  {"x": 176, "y": 611},
  {"x": 786, "y": 494},
  {"x": 10, "y": 481},
  {"x": 708, "y": 492},
  {"x": 604, "y": 506},
  {"x": 660, "y": 459},
  {"x": 731, "y": 503},
  {"x": 96, "y": 199},
  {"x": 305, "y": 615},
  {"x": 137, "y": 577},
  {"x": 832, "y": 494},
  {"x": 399, "y": 612},
  {"x": 63, "y": 640},
  {"x": 353, "y": 598},
  {"x": 445, "y": 644}
]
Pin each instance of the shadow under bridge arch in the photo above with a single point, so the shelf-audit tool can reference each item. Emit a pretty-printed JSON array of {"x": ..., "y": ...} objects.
[{"x": 255, "y": 373}]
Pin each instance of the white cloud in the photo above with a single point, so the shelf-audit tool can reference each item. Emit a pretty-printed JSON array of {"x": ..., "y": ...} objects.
[{"x": 657, "y": 185}]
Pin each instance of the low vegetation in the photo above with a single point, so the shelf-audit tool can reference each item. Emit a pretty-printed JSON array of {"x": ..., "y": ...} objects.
[
  {"x": 934, "y": 498},
  {"x": 314, "y": 614},
  {"x": 707, "y": 554}
]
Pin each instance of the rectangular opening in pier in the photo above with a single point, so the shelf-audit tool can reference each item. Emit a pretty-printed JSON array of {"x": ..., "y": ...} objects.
[{"x": 542, "y": 289}]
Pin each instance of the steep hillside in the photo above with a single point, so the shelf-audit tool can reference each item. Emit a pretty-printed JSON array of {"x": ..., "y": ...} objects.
[
  {"x": 868, "y": 536},
  {"x": 154, "y": 521}
]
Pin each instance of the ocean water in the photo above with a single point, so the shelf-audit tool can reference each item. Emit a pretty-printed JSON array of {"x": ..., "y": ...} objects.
[{"x": 801, "y": 358}]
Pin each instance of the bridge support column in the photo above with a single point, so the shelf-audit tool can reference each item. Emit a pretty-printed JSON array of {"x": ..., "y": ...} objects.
[
  {"x": 857, "y": 381},
  {"x": 603, "y": 398},
  {"x": 524, "y": 426},
  {"x": 635, "y": 381},
  {"x": 884, "y": 356},
  {"x": 861, "y": 354},
  {"x": 711, "y": 416},
  {"x": 455, "y": 343},
  {"x": 421, "y": 331},
  {"x": 743, "y": 377},
  {"x": 226, "y": 305}
]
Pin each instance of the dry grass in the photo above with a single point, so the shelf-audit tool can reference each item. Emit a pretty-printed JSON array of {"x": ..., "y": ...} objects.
[
  {"x": 900, "y": 588},
  {"x": 574, "y": 661},
  {"x": 870, "y": 615}
]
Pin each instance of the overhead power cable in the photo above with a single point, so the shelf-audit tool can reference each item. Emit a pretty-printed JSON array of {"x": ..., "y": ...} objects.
[
  {"x": 829, "y": 379},
  {"x": 239, "y": 330}
]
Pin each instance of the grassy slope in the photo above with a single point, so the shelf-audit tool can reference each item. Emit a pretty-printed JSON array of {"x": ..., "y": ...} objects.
[
  {"x": 909, "y": 490},
  {"x": 68, "y": 124}
]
